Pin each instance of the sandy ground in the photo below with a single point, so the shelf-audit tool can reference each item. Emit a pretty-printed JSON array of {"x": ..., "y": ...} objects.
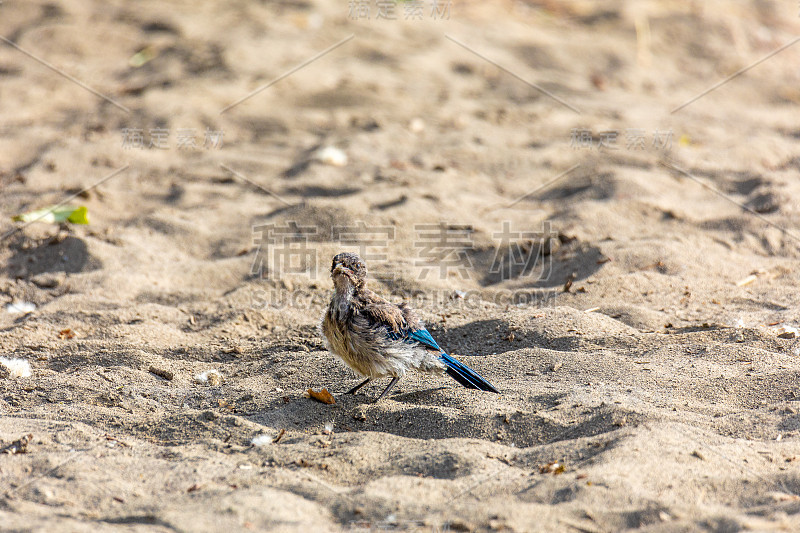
[{"x": 659, "y": 392}]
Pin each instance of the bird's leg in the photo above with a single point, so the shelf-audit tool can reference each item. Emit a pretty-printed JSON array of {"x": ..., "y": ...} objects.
[
  {"x": 354, "y": 389},
  {"x": 385, "y": 392}
]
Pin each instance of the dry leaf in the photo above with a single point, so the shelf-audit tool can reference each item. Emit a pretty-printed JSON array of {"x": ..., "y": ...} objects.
[
  {"x": 322, "y": 396},
  {"x": 553, "y": 467},
  {"x": 18, "y": 446},
  {"x": 277, "y": 439},
  {"x": 225, "y": 404},
  {"x": 66, "y": 334}
]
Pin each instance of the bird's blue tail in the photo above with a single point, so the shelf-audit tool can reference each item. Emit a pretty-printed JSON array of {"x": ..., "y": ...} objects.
[
  {"x": 465, "y": 375},
  {"x": 455, "y": 369}
]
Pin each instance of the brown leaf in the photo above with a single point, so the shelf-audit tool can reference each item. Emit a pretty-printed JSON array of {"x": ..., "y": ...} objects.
[
  {"x": 568, "y": 282},
  {"x": 114, "y": 439},
  {"x": 66, "y": 334},
  {"x": 18, "y": 446},
  {"x": 322, "y": 396},
  {"x": 553, "y": 467},
  {"x": 225, "y": 404}
]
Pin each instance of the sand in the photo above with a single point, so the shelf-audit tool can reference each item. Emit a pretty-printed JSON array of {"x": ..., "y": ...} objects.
[{"x": 645, "y": 356}]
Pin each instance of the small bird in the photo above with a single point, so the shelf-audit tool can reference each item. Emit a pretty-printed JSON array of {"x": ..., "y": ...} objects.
[{"x": 377, "y": 338}]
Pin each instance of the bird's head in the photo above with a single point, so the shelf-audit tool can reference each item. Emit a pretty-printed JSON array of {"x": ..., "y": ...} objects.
[{"x": 348, "y": 270}]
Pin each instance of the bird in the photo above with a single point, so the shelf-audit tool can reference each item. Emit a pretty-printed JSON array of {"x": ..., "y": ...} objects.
[{"x": 377, "y": 338}]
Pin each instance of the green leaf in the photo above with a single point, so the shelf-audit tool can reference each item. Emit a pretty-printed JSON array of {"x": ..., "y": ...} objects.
[
  {"x": 56, "y": 215},
  {"x": 142, "y": 57},
  {"x": 79, "y": 216}
]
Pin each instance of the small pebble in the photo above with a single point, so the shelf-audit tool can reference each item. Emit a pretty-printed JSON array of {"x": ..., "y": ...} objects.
[
  {"x": 20, "y": 307},
  {"x": 209, "y": 377},
  {"x": 16, "y": 368},
  {"x": 330, "y": 155}
]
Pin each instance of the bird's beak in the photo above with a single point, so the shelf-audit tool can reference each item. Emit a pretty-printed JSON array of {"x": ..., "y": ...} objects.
[
  {"x": 340, "y": 269},
  {"x": 342, "y": 277}
]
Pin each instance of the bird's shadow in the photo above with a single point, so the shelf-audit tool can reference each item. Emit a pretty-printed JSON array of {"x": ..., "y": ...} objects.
[
  {"x": 437, "y": 413},
  {"x": 370, "y": 398}
]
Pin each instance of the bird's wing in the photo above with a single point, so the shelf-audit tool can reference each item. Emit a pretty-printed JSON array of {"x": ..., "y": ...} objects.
[{"x": 398, "y": 319}]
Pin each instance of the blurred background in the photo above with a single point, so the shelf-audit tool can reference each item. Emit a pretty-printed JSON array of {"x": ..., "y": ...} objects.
[
  {"x": 219, "y": 118},
  {"x": 491, "y": 161}
]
